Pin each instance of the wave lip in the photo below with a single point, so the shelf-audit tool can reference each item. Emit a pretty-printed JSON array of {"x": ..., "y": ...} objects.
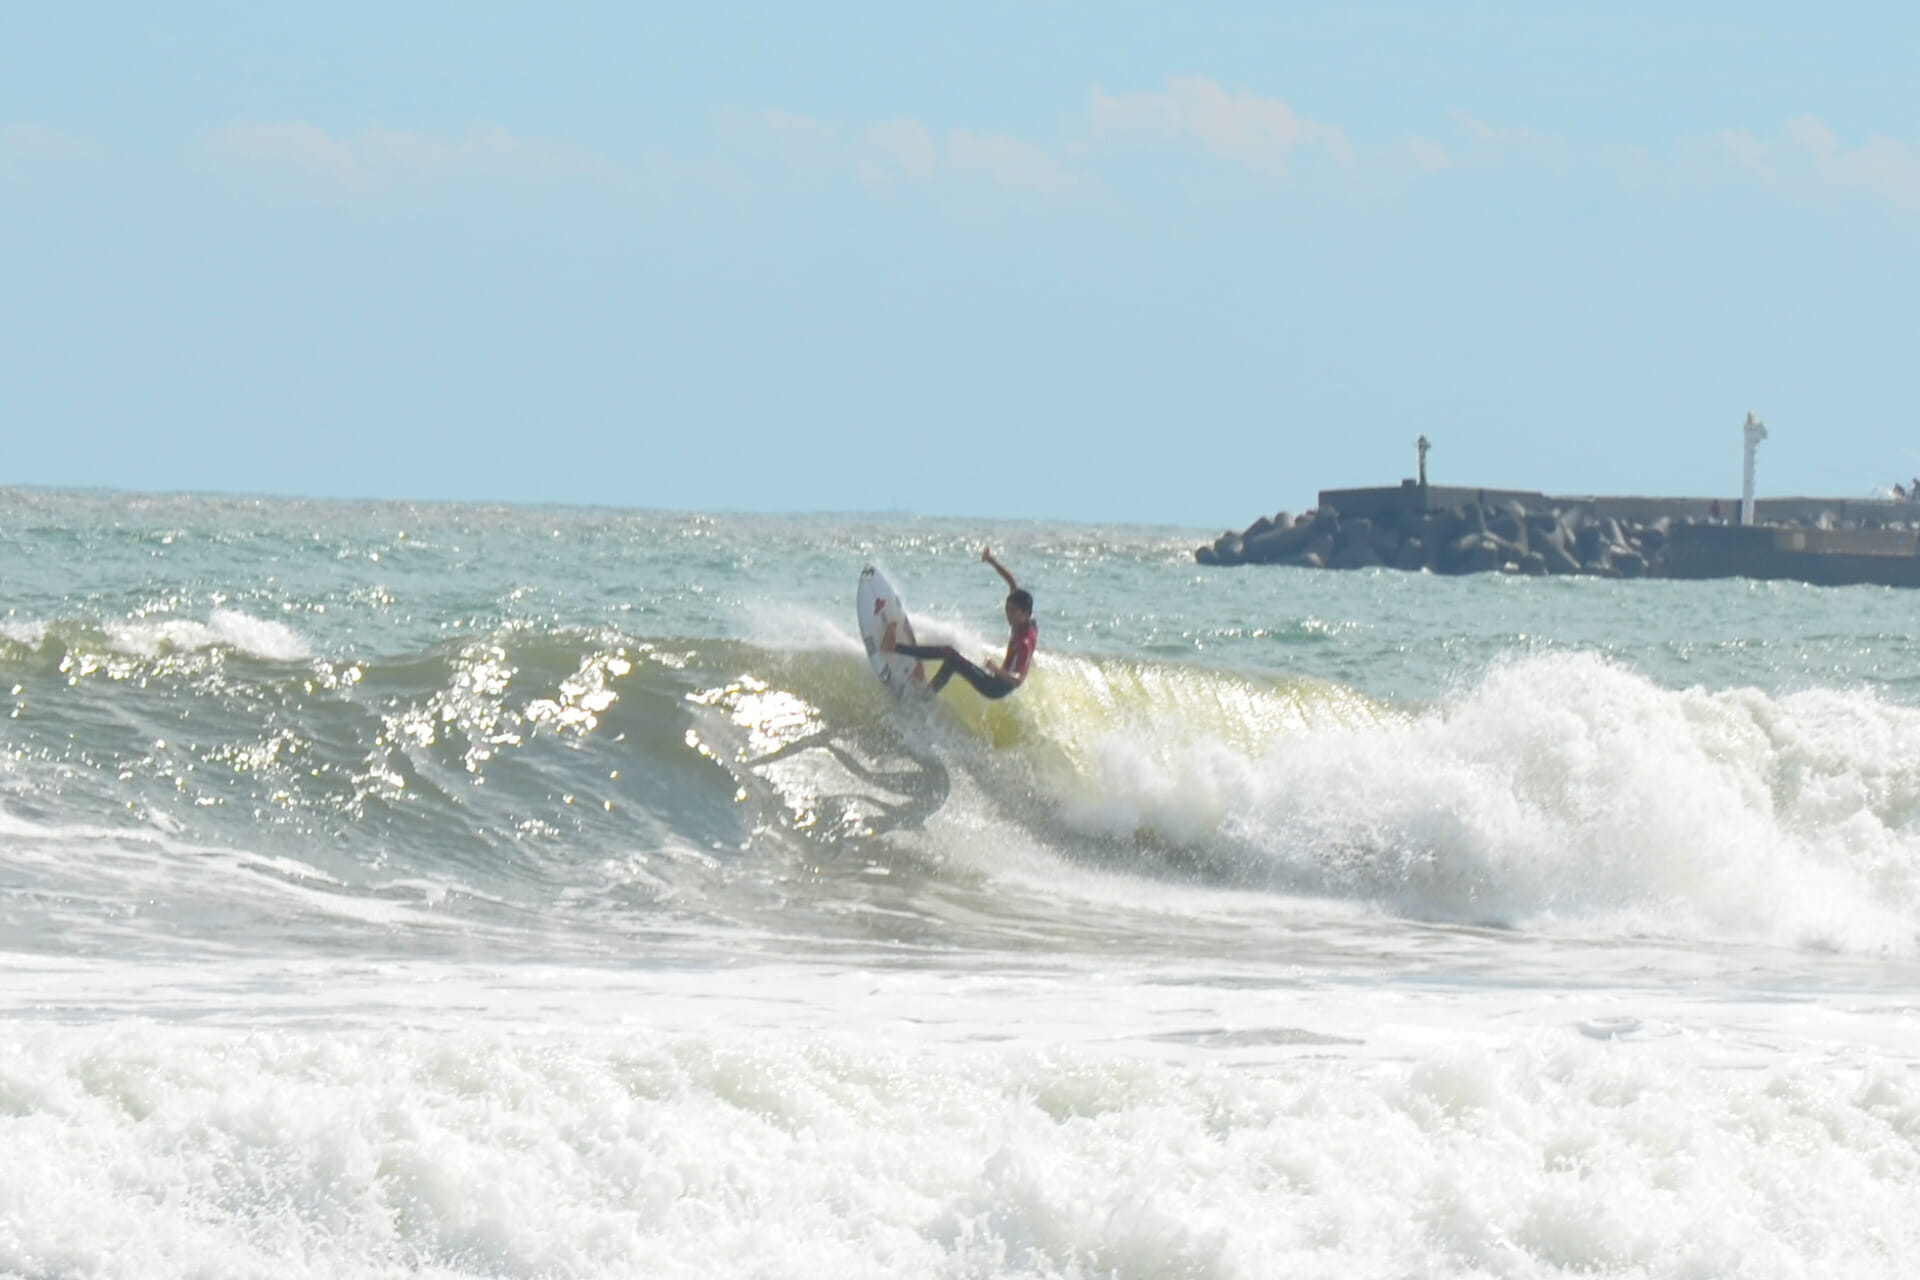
[{"x": 225, "y": 629}]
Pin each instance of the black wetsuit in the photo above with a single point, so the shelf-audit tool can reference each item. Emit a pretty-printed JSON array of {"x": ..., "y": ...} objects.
[{"x": 985, "y": 683}]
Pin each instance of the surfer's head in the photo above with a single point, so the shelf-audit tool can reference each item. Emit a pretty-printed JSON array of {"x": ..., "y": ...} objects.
[{"x": 1019, "y": 606}]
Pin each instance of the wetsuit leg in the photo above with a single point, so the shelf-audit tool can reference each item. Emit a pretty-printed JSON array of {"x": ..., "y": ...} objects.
[{"x": 985, "y": 683}]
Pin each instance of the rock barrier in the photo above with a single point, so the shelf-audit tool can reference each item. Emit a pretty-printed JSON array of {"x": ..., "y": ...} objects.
[{"x": 1500, "y": 537}]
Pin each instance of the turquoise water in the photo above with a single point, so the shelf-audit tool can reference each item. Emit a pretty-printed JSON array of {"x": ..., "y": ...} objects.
[{"x": 456, "y": 890}]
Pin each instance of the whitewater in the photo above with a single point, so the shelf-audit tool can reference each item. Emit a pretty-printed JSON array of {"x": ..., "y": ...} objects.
[{"x": 401, "y": 889}]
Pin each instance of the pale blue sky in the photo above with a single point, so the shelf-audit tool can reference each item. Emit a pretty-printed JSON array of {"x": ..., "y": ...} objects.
[{"x": 1094, "y": 261}]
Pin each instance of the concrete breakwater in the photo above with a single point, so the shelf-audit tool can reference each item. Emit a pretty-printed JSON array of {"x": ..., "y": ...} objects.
[{"x": 1459, "y": 530}]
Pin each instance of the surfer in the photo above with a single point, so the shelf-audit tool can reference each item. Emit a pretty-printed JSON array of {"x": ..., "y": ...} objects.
[{"x": 999, "y": 678}]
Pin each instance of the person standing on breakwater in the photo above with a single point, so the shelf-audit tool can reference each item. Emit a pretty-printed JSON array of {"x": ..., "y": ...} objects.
[{"x": 1000, "y": 678}]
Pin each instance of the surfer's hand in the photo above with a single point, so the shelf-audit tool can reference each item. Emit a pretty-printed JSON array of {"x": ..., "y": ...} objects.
[{"x": 986, "y": 554}]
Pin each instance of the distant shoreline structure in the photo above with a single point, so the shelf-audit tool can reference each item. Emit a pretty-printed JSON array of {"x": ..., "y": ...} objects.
[{"x": 1450, "y": 529}]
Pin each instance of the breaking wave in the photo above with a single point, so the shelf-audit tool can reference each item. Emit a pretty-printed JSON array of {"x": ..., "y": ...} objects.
[{"x": 531, "y": 766}]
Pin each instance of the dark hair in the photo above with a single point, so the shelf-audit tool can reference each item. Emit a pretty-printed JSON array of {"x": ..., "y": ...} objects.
[{"x": 1021, "y": 598}]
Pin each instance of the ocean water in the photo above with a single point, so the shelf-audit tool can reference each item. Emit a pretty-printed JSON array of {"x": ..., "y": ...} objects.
[{"x": 394, "y": 890}]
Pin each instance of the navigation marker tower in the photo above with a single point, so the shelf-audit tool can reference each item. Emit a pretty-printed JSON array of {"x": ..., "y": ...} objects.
[{"x": 1756, "y": 431}]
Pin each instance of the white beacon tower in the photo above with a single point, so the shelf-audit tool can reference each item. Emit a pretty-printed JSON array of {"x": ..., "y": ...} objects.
[{"x": 1756, "y": 431}]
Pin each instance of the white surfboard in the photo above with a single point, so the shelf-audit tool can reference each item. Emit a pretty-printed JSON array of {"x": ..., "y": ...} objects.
[{"x": 880, "y": 611}]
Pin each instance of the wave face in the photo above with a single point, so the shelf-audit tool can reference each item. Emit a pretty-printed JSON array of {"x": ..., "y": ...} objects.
[{"x": 588, "y": 783}]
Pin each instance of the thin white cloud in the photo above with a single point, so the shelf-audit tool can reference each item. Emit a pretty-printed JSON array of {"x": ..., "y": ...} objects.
[
  {"x": 300, "y": 145},
  {"x": 1482, "y": 144},
  {"x": 1258, "y": 132},
  {"x": 29, "y": 140},
  {"x": 1499, "y": 135},
  {"x": 1808, "y": 152},
  {"x": 34, "y": 148},
  {"x": 1743, "y": 151},
  {"x": 488, "y": 148},
  {"x": 1427, "y": 155},
  {"x": 903, "y": 146},
  {"x": 904, "y": 150},
  {"x": 1009, "y": 161},
  {"x": 783, "y": 149},
  {"x": 1880, "y": 165},
  {"x": 797, "y": 125}
]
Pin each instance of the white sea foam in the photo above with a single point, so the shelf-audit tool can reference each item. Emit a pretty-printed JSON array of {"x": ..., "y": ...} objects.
[
  {"x": 27, "y": 634},
  {"x": 139, "y": 1150},
  {"x": 224, "y": 628},
  {"x": 258, "y": 637},
  {"x": 1561, "y": 788}
]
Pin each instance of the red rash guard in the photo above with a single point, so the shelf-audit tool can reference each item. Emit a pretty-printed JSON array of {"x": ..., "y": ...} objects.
[{"x": 1020, "y": 648}]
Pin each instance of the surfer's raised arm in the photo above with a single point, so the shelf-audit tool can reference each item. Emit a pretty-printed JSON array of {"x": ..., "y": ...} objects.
[
  {"x": 1022, "y": 634},
  {"x": 986, "y": 553}
]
